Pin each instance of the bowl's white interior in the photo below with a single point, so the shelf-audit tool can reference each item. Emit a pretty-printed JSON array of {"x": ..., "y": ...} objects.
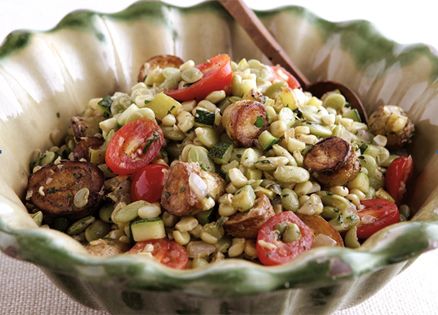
[{"x": 59, "y": 71}]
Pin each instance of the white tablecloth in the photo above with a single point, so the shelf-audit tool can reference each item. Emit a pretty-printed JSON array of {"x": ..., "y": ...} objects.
[{"x": 26, "y": 290}]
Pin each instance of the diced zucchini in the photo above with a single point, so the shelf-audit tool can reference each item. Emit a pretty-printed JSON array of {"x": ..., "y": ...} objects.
[
  {"x": 147, "y": 229},
  {"x": 204, "y": 117},
  {"x": 267, "y": 140},
  {"x": 162, "y": 105},
  {"x": 204, "y": 216},
  {"x": 320, "y": 131},
  {"x": 353, "y": 114},
  {"x": 221, "y": 152}
]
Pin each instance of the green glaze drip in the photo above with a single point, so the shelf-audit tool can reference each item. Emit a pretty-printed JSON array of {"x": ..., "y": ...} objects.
[{"x": 14, "y": 41}]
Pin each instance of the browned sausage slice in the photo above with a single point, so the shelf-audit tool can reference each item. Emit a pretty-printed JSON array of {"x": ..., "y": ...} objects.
[
  {"x": 53, "y": 188},
  {"x": 81, "y": 150},
  {"x": 84, "y": 126},
  {"x": 244, "y": 121},
  {"x": 185, "y": 185},
  {"x": 161, "y": 61},
  {"x": 320, "y": 226},
  {"x": 332, "y": 161},
  {"x": 247, "y": 224}
]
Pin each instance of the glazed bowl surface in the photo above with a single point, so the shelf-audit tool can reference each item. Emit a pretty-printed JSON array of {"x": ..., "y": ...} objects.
[{"x": 47, "y": 77}]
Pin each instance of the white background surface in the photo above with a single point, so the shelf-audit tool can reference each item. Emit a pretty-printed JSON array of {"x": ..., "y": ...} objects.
[{"x": 25, "y": 290}]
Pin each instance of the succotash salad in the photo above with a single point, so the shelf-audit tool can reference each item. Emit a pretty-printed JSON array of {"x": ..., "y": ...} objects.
[{"x": 200, "y": 163}]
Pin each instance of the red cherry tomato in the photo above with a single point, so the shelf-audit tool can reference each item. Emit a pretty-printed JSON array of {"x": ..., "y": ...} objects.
[
  {"x": 217, "y": 76},
  {"x": 167, "y": 252},
  {"x": 147, "y": 184},
  {"x": 134, "y": 146},
  {"x": 282, "y": 252},
  {"x": 377, "y": 214},
  {"x": 283, "y": 74},
  {"x": 397, "y": 176}
]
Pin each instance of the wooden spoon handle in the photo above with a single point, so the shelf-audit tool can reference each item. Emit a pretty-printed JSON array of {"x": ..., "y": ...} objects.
[{"x": 262, "y": 37}]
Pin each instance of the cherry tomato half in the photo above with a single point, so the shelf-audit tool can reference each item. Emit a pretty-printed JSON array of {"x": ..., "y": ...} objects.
[
  {"x": 397, "y": 176},
  {"x": 167, "y": 252},
  {"x": 377, "y": 214},
  {"x": 283, "y": 74},
  {"x": 217, "y": 76},
  {"x": 282, "y": 252},
  {"x": 147, "y": 184},
  {"x": 134, "y": 146}
]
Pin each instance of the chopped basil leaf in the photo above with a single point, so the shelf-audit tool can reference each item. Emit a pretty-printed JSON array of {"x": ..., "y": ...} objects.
[{"x": 149, "y": 142}]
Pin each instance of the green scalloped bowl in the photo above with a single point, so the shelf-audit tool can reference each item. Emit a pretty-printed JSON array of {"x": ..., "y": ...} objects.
[{"x": 46, "y": 77}]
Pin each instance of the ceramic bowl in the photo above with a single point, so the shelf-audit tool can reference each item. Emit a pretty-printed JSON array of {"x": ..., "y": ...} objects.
[{"x": 47, "y": 77}]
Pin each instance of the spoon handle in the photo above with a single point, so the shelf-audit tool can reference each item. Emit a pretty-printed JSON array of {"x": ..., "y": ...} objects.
[{"x": 262, "y": 37}]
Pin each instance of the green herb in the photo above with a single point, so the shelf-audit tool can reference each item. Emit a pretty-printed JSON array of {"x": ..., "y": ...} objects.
[
  {"x": 151, "y": 140},
  {"x": 51, "y": 190},
  {"x": 259, "y": 122},
  {"x": 106, "y": 103},
  {"x": 170, "y": 110}
]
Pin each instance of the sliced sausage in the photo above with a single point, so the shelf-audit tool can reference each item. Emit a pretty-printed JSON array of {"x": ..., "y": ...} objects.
[
  {"x": 106, "y": 247},
  {"x": 244, "y": 121},
  {"x": 247, "y": 224},
  {"x": 81, "y": 150},
  {"x": 185, "y": 187},
  {"x": 320, "y": 226},
  {"x": 53, "y": 188},
  {"x": 84, "y": 126},
  {"x": 392, "y": 122},
  {"x": 119, "y": 189},
  {"x": 332, "y": 161},
  {"x": 161, "y": 61}
]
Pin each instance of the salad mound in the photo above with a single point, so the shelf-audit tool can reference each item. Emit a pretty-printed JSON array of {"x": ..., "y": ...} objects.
[{"x": 200, "y": 163}]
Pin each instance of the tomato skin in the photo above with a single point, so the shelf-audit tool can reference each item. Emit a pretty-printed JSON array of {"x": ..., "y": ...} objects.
[
  {"x": 283, "y": 74},
  {"x": 385, "y": 212},
  {"x": 146, "y": 139},
  {"x": 167, "y": 252},
  {"x": 397, "y": 176},
  {"x": 217, "y": 76},
  {"x": 147, "y": 184},
  {"x": 284, "y": 252}
]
